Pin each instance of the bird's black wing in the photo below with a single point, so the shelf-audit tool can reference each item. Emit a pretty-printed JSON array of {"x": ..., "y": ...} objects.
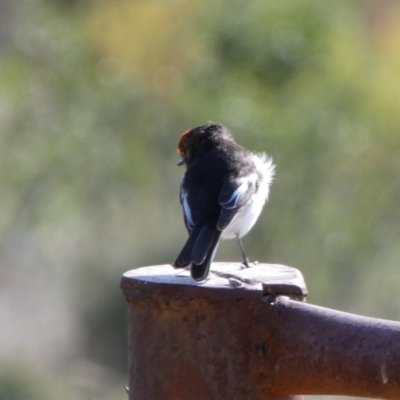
[{"x": 200, "y": 198}]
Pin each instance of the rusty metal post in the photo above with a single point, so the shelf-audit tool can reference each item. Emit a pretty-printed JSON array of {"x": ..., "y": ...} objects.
[
  {"x": 245, "y": 334},
  {"x": 190, "y": 341}
]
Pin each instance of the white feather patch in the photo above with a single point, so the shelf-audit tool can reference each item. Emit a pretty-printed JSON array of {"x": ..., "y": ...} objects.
[
  {"x": 249, "y": 213},
  {"x": 186, "y": 209}
]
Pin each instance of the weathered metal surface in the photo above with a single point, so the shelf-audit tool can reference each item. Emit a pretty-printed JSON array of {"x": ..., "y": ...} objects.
[
  {"x": 315, "y": 350},
  {"x": 234, "y": 338},
  {"x": 191, "y": 341},
  {"x": 226, "y": 281}
]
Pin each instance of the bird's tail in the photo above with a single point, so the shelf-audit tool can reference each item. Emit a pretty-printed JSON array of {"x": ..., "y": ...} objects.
[
  {"x": 199, "y": 251},
  {"x": 185, "y": 256},
  {"x": 200, "y": 268}
]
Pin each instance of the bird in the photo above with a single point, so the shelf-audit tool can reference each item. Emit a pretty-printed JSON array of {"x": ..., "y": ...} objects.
[{"x": 222, "y": 193}]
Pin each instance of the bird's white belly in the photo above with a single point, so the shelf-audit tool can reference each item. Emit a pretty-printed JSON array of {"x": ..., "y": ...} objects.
[{"x": 245, "y": 219}]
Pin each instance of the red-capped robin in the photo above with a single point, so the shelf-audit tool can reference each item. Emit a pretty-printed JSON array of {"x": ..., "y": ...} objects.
[{"x": 222, "y": 193}]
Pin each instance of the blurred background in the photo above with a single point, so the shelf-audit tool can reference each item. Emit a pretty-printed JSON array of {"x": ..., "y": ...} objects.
[{"x": 93, "y": 98}]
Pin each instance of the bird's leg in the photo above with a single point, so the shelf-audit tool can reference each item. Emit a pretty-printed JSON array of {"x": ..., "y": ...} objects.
[{"x": 245, "y": 259}]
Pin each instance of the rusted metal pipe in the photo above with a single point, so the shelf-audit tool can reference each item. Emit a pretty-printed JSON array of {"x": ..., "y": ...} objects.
[
  {"x": 245, "y": 335},
  {"x": 315, "y": 350}
]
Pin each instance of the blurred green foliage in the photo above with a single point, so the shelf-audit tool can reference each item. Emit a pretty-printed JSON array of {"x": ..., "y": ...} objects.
[{"x": 94, "y": 96}]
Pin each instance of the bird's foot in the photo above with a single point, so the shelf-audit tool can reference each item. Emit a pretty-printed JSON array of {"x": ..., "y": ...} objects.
[{"x": 247, "y": 264}]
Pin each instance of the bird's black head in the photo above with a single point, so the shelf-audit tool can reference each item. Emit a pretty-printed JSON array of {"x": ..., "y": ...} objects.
[{"x": 200, "y": 138}]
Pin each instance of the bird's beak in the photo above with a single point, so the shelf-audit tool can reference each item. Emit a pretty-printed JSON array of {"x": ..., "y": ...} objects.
[{"x": 180, "y": 162}]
